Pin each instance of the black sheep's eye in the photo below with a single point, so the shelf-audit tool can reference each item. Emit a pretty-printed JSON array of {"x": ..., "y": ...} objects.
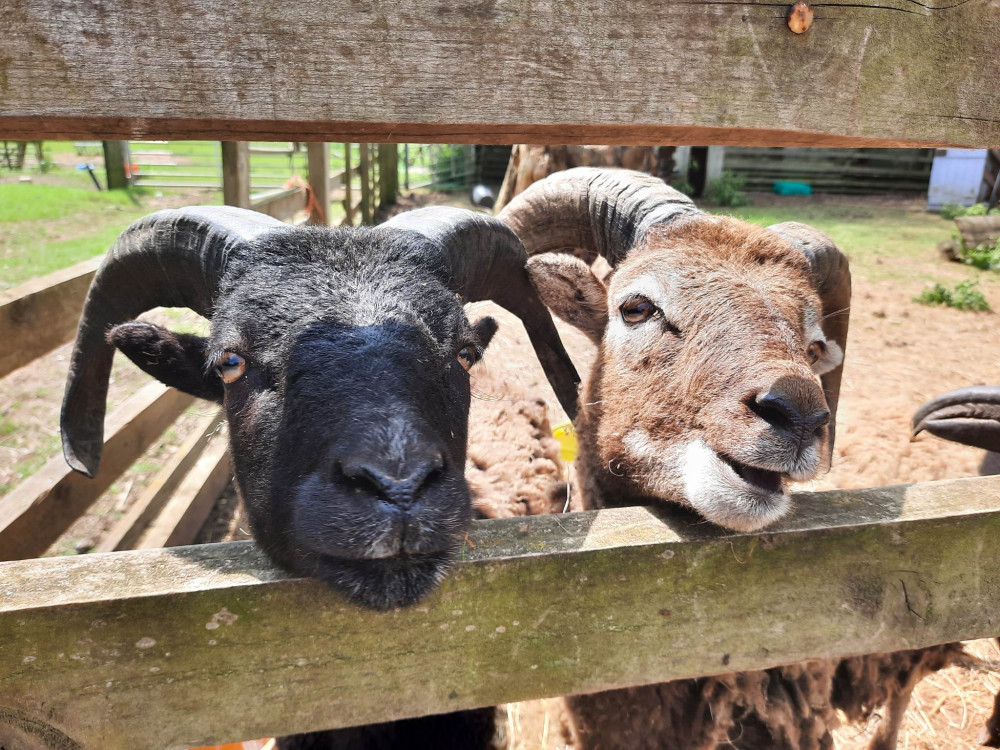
[
  {"x": 230, "y": 367},
  {"x": 467, "y": 356},
  {"x": 639, "y": 309},
  {"x": 815, "y": 350}
]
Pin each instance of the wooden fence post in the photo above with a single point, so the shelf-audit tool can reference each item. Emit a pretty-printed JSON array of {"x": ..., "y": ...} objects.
[
  {"x": 348, "y": 199},
  {"x": 319, "y": 181},
  {"x": 388, "y": 174},
  {"x": 236, "y": 173},
  {"x": 366, "y": 185},
  {"x": 116, "y": 160}
]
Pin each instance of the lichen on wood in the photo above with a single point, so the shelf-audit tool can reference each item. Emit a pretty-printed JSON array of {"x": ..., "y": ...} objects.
[{"x": 198, "y": 645}]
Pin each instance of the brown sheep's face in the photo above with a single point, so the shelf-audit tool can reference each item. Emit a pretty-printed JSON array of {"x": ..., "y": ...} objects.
[{"x": 707, "y": 388}]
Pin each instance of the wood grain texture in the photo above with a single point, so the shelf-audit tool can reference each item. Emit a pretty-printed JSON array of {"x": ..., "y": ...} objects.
[
  {"x": 892, "y": 72},
  {"x": 43, "y": 313},
  {"x": 36, "y": 512},
  {"x": 189, "y": 507},
  {"x": 198, "y": 645},
  {"x": 126, "y": 532},
  {"x": 977, "y": 230},
  {"x": 282, "y": 204},
  {"x": 236, "y": 173},
  {"x": 319, "y": 181}
]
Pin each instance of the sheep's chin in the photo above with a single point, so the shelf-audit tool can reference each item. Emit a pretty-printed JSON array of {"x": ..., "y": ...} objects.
[
  {"x": 385, "y": 583},
  {"x": 715, "y": 490}
]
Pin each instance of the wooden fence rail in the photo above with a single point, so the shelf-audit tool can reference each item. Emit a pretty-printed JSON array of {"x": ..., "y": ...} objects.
[
  {"x": 198, "y": 645},
  {"x": 41, "y": 314},
  {"x": 891, "y": 72},
  {"x": 35, "y": 513}
]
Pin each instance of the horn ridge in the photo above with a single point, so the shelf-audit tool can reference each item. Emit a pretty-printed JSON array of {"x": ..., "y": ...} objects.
[
  {"x": 607, "y": 211},
  {"x": 831, "y": 277},
  {"x": 171, "y": 258},
  {"x": 484, "y": 259}
]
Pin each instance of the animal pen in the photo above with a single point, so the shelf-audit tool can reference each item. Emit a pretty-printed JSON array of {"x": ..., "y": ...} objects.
[{"x": 197, "y": 645}]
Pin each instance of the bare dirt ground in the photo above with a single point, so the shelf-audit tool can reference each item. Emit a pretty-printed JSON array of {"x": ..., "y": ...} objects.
[{"x": 899, "y": 355}]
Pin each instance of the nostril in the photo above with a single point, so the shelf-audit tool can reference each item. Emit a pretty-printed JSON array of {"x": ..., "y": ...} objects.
[
  {"x": 783, "y": 413},
  {"x": 774, "y": 409},
  {"x": 397, "y": 484},
  {"x": 817, "y": 421}
]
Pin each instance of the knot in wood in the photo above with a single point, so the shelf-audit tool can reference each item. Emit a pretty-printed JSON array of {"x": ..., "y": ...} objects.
[{"x": 800, "y": 18}]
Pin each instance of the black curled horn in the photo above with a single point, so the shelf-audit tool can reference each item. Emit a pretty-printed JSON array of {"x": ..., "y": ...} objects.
[
  {"x": 831, "y": 278},
  {"x": 607, "y": 211},
  {"x": 486, "y": 260},
  {"x": 172, "y": 258}
]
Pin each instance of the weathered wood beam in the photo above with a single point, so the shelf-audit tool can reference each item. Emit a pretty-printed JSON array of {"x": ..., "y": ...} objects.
[
  {"x": 189, "y": 507},
  {"x": 198, "y": 645},
  {"x": 43, "y": 313},
  {"x": 367, "y": 189},
  {"x": 348, "y": 177},
  {"x": 116, "y": 165},
  {"x": 319, "y": 181},
  {"x": 282, "y": 204},
  {"x": 892, "y": 72},
  {"x": 36, "y": 512},
  {"x": 236, "y": 173},
  {"x": 127, "y": 531}
]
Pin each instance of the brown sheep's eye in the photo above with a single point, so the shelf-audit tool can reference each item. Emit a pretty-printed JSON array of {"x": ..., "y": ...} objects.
[
  {"x": 816, "y": 350},
  {"x": 230, "y": 367},
  {"x": 467, "y": 357},
  {"x": 638, "y": 310}
]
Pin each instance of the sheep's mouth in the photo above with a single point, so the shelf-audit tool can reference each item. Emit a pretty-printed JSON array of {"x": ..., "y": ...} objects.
[
  {"x": 384, "y": 583},
  {"x": 771, "y": 482}
]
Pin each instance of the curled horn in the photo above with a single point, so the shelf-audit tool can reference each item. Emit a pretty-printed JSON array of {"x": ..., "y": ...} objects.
[
  {"x": 607, "y": 211},
  {"x": 172, "y": 258},
  {"x": 831, "y": 277},
  {"x": 486, "y": 260}
]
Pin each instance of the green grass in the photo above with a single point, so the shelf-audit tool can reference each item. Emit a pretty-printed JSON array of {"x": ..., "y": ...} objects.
[
  {"x": 964, "y": 296},
  {"x": 869, "y": 235},
  {"x": 46, "y": 227},
  {"x": 8, "y": 426},
  {"x": 30, "y": 202},
  {"x": 60, "y": 219},
  {"x": 34, "y": 461}
]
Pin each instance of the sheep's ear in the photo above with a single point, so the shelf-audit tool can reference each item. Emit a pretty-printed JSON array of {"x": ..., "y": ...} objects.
[
  {"x": 570, "y": 289},
  {"x": 175, "y": 359},
  {"x": 485, "y": 329}
]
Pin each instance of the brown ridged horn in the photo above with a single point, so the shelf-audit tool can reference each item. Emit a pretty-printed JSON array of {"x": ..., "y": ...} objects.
[
  {"x": 607, "y": 211},
  {"x": 831, "y": 277},
  {"x": 486, "y": 260},
  {"x": 172, "y": 258}
]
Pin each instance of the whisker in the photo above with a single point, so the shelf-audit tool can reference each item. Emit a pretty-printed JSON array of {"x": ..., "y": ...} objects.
[{"x": 837, "y": 312}]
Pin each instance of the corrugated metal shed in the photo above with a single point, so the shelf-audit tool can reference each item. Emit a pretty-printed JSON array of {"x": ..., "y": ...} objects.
[{"x": 834, "y": 170}]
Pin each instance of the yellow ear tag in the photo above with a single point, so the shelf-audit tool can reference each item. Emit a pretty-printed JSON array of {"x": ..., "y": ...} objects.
[{"x": 566, "y": 436}]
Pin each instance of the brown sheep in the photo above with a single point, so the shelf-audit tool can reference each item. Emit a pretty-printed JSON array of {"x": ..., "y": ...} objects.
[
  {"x": 513, "y": 466},
  {"x": 716, "y": 383},
  {"x": 743, "y": 329}
]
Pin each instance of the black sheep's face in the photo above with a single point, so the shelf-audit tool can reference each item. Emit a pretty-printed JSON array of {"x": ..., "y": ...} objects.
[{"x": 348, "y": 399}]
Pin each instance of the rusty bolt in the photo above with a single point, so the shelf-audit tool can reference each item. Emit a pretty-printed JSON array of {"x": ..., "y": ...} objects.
[{"x": 800, "y": 18}]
